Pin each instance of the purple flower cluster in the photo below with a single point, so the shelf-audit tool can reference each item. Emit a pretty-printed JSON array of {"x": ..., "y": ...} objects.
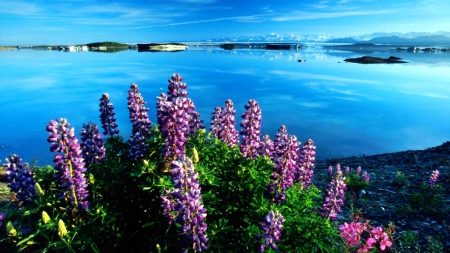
[
  {"x": 223, "y": 124},
  {"x": 69, "y": 164},
  {"x": 183, "y": 205},
  {"x": 107, "y": 116},
  {"x": 334, "y": 196},
  {"x": 251, "y": 130},
  {"x": 177, "y": 128},
  {"x": 215, "y": 122},
  {"x": 272, "y": 227},
  {"x": 138, "y": 112},
  {"x": 279, "y": 144},
  {"x": 307, "y": 159},
  {"x": 433, "y": 178},
  {"x": 92, "y": 144},
  {"x": 284, "y": 171},
  {"x": 21, "y": 179},
  {"x": 177, "y": 118},
  {"x": 268, "y": 146}
]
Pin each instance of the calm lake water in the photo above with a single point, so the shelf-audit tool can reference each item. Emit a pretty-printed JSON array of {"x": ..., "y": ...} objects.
[{"x": 346, "y": 108}]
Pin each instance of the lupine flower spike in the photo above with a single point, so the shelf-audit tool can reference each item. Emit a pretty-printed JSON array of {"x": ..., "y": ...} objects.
[
  {"x": 272, "y": 228},
  {"x": 21, "y": 180},
  {"x": 268, "y": 146},
  {"x": 227, "y": 131},
  {"x": 251, "y": 130},
  {"x": 433, "y": 178},
  {"x": 92, "y": 144},
  {"x": 107, "y": 116},
  {"x": 141, "y": 123},
  {"x": 334, "y": 196},
  {"x": 69, "y": 164},
  {"x": 307, "y": 159},
  {"x": 183, "y": 205},
  {"x": 284, "y": 172}
]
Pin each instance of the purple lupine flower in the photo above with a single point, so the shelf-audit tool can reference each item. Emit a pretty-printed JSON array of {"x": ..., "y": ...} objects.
[
  {"x": 251, "y": 130},
  {"x": 227, "y": 131},
  {"x": 177, "y": 128},
  {"x": 307, "y": 160},
  {"x": 330, "y": 172},
  {"x": 183, "y": 205},
  {"x": 433, "y": 178},
  {"x": 365, "y": 176},
  {"x": 107, "y": 116},
  {"x": 177, "y": 90},
  {"x": 215, "y": 122},
  {"x": 334, "y": 196},
  {"x": 138, "y": 146},
  {"x": 92, "y": 144},
  {"x": 21, "y": 180},
  {"x": 358, "y": 170},
  {"x": 347, "y": 170},
  {"x": 195, "y": 123},
  {"x": 272, "y": 228},
  {"x": 280, "y": 141},
  {"x": 69, "y": 164},
  {"x": 161, "y": 114},
  {"x": 138, "y": 112},
  {"x": 268, "y": 146},
  {"x": 284, "y": 172},
  {"x": 176, "y": 87}
]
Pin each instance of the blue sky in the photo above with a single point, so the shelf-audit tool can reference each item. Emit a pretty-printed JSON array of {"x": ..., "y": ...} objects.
[{"x": 84, "y": 21}]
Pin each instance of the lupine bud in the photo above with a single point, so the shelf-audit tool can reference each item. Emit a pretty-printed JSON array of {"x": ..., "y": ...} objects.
[
  {"x": 62, "y": 231},
  {"x": 195, "y": 158},
  {"x": 38, "y": 189},
  {"x": 45, "y": 218},
  {"x": 10, "y": 229}
]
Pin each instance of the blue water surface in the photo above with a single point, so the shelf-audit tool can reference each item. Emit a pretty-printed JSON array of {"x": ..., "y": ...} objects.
[{"x": 346, "y": 108}]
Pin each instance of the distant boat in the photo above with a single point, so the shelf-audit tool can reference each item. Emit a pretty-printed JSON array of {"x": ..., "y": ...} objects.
[{"x": 167, "y": 47}]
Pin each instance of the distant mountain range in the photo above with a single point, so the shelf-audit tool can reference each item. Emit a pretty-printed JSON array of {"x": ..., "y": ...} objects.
[{"x": 394, "y": 38}]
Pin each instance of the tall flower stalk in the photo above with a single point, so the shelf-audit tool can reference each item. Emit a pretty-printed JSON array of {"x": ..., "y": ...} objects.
[
  {"x": 141, "y": 123},
  {"x": 107, "y": 116},
  {"x": 334, "y": 196},
  {"x": 272, "y": 228},
  {"x": 138, "y": 111},
  {"x": 92, "y": 144},
  {"x": 21, "y": 180},
  {"x": 69, "y": 164},
  {"x": 223, "y": 124},
  {"x": 251, "y": 130},
  {"x": 306, "y": 162},
  {"x": 183, "y": 205},
  {"x": 284, "y": 172}
]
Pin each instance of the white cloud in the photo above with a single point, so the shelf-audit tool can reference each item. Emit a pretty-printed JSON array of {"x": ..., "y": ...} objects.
[{"x": 302, "y": 15}]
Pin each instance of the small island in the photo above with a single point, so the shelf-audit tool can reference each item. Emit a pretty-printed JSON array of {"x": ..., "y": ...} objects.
[{"x": 375, "y": 60}]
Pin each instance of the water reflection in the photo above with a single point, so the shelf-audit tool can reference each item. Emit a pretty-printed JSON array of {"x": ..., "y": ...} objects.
[{"x": 347, "y": 109}]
